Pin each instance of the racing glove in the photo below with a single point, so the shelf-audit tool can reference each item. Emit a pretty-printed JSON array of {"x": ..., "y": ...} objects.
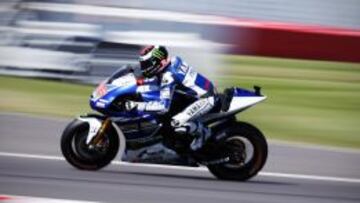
[{"x": 130, "y": 105}]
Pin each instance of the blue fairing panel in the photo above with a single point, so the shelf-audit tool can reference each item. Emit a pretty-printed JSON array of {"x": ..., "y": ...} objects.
[
  {"x": 150, "y": 96},
  {"x": 105, "y": 101},
  {"x": 239, "y": 92}
]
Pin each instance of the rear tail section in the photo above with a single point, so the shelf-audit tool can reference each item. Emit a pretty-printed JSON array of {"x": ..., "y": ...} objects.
[{"x": 242, "y": 98}]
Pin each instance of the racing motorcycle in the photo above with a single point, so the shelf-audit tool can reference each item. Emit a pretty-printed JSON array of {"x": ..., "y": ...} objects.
[{"x": 236, "y": 150}]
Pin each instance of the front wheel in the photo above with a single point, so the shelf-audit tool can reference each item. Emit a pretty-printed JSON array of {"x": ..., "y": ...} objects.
[
  {"x": 246, "y": 149},
  {"x": 83, "y": 156}
]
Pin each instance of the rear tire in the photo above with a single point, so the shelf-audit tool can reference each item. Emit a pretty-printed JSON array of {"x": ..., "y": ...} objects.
[
  {"x": 257, "y": 160},
  {"x": 75, "y": 151}
]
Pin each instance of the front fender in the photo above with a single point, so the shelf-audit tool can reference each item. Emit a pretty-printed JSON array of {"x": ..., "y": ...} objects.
[{"x": 94, "y": 127}]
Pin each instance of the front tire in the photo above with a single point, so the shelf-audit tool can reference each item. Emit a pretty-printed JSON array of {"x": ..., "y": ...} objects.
[
  {"x": 242, "y": 170},
  {"x": 78, "y": 154}
]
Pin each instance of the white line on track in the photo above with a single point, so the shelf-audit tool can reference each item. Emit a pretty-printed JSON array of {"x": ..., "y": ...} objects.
[{"x": 184, "y": 168}]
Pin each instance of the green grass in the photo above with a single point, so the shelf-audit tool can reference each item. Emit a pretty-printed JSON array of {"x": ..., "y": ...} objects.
[
  {"x": 308, "y": 101},
  {"x": 43, "y": 97}
]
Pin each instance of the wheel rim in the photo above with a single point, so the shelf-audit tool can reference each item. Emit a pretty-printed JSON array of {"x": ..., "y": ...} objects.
[
  {"x": 84, "y": 151},
  {"x": 241, "y": 151}
]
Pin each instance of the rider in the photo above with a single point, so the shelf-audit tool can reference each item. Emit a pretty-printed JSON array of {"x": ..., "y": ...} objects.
[{"x": 173, "y": 73}]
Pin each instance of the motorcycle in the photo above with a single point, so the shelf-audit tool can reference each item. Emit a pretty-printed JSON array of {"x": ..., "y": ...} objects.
[{"x": 236, "y": 150}]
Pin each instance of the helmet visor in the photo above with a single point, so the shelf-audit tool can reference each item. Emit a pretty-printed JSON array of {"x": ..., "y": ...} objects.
[{"x": 144, "y": 65}]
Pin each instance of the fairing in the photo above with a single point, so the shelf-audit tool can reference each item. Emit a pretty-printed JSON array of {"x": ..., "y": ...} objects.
[
  {"x": 107, "y": 92},
  {"x": 243, "y": 98}
]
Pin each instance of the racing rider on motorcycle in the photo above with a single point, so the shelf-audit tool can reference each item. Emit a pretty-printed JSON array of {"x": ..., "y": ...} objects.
[{"x": 175, "y": 73}]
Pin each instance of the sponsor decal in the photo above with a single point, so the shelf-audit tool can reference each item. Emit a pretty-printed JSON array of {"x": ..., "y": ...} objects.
[
  {"x": 184, "y": 68},
  {"x": 100, "y": 90},
  {"x": 147, "y": 88},
  {"x": 100, "y": 104},
  {"x": 165, "y": 94},
  {"x": 193, "y": 109},
  {"x": 155, "y": 106}
]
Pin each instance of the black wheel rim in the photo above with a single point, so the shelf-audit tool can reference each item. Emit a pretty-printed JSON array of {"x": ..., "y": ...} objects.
[
  {"x": 240, "y": 151},
  {"x": 84, "y": 151}
]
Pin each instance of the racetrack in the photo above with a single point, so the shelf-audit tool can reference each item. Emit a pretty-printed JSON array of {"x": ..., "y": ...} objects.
[{"x": 31, "y": 165}]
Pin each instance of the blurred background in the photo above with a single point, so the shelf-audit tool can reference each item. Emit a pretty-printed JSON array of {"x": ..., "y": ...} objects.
[{"x": 305, "y": 55}]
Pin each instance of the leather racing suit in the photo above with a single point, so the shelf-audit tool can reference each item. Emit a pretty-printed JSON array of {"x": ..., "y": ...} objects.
[{"x": 179, "y": 74}]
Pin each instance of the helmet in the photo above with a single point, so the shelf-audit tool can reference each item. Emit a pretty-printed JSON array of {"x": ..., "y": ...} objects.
[{"x": 153, "y": 60}]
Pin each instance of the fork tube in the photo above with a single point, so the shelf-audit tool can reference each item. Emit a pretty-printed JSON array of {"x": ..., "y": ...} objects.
[{"x": 100, "y": 135}]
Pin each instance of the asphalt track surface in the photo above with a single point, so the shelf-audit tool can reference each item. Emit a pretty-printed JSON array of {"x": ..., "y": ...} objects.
[{"x": 31, "y": 165}]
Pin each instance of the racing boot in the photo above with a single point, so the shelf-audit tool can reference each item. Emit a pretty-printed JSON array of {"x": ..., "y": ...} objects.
[{"x": 199, "y": 132}]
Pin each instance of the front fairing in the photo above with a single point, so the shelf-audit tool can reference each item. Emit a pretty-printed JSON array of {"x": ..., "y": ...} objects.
[{"x": 104, "y": 96}]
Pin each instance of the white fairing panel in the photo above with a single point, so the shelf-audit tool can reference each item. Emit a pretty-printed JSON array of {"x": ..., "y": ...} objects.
[
  {"x": 126, "y": 80},
  {"x": 238, "y": 103},
  {"x": 94, "y": 127}
]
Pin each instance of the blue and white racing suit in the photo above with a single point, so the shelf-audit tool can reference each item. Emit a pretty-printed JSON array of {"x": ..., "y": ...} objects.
[{"x": 178, "y": 73}]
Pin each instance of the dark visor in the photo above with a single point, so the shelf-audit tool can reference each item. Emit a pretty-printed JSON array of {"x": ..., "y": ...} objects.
[{"x": 145, "y": 64}]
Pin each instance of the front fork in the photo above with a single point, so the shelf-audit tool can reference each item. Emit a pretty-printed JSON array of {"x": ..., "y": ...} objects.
[{"x": 100, "y": 135}]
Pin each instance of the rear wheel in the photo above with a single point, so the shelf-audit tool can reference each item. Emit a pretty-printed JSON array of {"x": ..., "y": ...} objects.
[
  {"x": 246, "y": 149},
  {"x": 83, "y": 156}
]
